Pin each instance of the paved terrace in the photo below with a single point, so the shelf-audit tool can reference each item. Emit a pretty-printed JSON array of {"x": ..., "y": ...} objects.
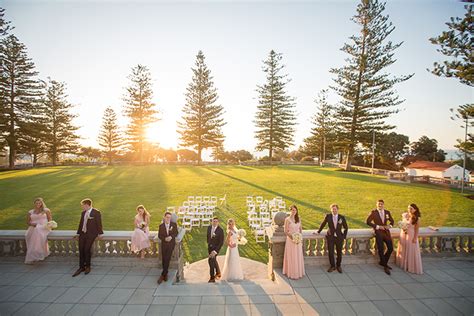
[{"x": 446, "y": 288}]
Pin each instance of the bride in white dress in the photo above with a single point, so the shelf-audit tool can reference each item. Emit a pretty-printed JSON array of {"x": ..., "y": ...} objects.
[{"x": 232, "y": 269}]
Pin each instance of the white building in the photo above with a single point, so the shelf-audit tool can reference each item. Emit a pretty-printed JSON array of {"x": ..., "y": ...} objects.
[{"x": 436, "y": 169}]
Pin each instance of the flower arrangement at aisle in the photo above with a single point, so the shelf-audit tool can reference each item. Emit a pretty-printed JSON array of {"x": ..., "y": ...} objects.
[{"x": 297, "y": 238}]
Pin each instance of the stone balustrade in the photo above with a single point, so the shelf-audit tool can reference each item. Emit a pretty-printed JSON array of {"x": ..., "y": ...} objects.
[
  {"x": 360, "y": 246},
  {"x": 112, "y": 244}
]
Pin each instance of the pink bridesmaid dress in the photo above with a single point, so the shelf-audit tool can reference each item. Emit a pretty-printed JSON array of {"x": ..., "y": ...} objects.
[
  {"x": 409, "y": 256},
  {"x": 293, "y": 261},
  {"x": 37, "y": 238},
  {"x": 140, "y": 237}
]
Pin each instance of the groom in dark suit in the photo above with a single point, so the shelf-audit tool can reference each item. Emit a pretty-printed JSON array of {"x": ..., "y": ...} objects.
[
  {"x": 379, "y": 219},
  {"x": 90, "y": 226},
  {"x": 167, "y": 233},
  {"x": 334, "y": 236},
  {"x": 215, "y": 240}
]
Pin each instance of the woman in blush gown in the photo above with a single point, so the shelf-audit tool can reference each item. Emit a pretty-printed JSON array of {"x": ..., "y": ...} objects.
[
  {"x": 140, "y": 236},
  {"x": 408, "y": 251},
  {"x": 36, "y": 236},
  {"x": 232, "y": 268},
  {"x": 293, "y": 261}
]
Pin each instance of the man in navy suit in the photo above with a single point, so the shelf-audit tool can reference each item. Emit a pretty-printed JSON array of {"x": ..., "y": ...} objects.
[
  {"x": 215, "y": 240},
  {"x": 334, "y": 236},
  {"x": 90, "y": 227},
  {"x": 381, "y": 221}
]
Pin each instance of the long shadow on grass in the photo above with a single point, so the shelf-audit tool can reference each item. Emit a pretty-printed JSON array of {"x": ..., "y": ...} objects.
[{"x": 296, "y": 201}]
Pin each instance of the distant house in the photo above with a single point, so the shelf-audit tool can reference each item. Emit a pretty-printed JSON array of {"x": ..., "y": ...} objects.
[{"x": 436, "y": 169}]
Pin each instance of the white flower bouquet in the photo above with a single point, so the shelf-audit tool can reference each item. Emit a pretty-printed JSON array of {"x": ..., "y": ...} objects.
[
  {"x": 403, "y": 225},
  {"x": 241, "y": 233},
  {"x": 51, "y": 225},
  {"x": 297, "y": 238}
]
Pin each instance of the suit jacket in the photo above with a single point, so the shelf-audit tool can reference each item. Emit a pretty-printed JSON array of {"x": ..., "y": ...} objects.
[
  {"x": 374, "y": 219},
  {"x": 94, "y": 223},
  {"x": 215, "y": 243},
  {"x": 337, "y": 231},
  {"x": 173, "y": 232}
]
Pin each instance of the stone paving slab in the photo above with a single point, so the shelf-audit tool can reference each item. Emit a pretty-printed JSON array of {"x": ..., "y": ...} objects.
[{"x": 446, "y": 288}]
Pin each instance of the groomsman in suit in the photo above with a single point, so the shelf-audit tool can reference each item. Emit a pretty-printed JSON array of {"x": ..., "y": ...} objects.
[
  {"x": 90, "y": 226},
  {"x": 334, "y": 236},
  {"x": 215, "y": 240},
  {"x": 167, "y": 233},
  {"x": 381, "y": 221}
]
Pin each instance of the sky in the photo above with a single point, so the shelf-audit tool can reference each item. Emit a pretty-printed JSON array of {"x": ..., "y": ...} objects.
[{"x": 92, "y": 46}]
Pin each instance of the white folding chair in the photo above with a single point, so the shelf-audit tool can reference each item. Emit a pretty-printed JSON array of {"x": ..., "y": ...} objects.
[
  {"x": 265, "y": 215},
  {"x": 195, "y": 222},
  {"x": 198, "y": 200},
  {"x": 249, "y": 199},
  {"x": 213, "y": 201},
  {"x": 259, "y": 235},
  {"x": 259, "y": 200},
  {"x": 187, "y": 223},
  {"x": 190, "y": 198},
  {"x": 171, "y": 209},
  {"x": 266, "y": 222}
]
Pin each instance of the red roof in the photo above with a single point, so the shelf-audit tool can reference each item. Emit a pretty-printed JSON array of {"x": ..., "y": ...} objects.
[{"x": 429, "y": 165}]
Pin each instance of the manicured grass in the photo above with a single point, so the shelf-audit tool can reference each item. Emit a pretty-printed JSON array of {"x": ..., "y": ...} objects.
[{"x": 117, "y": 190}]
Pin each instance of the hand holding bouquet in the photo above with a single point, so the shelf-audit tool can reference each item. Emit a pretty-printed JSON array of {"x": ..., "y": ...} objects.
[
  {"x": 51, "y": 225},
  {"x": 297, "y": 238}
]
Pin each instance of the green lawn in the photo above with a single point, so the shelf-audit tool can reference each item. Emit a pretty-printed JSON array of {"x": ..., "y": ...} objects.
[{"x": 116, "y": 191}]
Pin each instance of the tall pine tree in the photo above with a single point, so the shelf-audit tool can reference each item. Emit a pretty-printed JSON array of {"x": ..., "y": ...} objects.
[
  {"x": 457, "y": 44},
  {"x": 20, "y": 91},
  {"x": 322, "y": 142},
  {"x": 139, "y": 108},
  {"x": 202, "y": 116},
  {"x": 364, "y": 85},
  {"x": 60, "y": 136},
  {"x": 4, "y": 29},
  {"x": 110, "y": 137},
  {"x": 275, "y": 118}
]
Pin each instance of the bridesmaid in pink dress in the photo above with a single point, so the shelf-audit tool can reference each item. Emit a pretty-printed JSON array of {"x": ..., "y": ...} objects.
[
  {"x": 408, "y": 251},
  {"x": 36, "y": 236},
  {"x": 140, "y": 236},
  {"x": 293, "y": 261}
]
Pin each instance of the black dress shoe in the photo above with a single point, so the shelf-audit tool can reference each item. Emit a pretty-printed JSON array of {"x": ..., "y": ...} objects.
[
  {"x": 78, "y": 271},
  {"x": 331, "y": 269},
  {"x": 212, "y": 280},
  {"x": 387, "y": 270},
  {"x": 87, "y": 270},
  {"x": 383, "y": 265},
  {"x": 339, "y": 269},
  {"x": 218, "y": 276},
  {"x": 160, "y": 280}
]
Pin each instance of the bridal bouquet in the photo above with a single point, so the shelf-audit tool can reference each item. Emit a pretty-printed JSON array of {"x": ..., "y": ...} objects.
[
  {"x": 142, "y": 225},
  {"x": 241, "y": 233},
  {"x": 297, "y": 238},
  {"x": 51, "y": 225}
]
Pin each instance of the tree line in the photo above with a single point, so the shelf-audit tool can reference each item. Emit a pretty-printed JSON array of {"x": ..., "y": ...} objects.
[{"x": 36, "y": 117}]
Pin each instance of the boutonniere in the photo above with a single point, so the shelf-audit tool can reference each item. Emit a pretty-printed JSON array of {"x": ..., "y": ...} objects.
[
  {"x": 171, "y": 228},
  {"x": 386, "y": 216},
  {"x": 340, "y": 221},
  {"x": 213, "y": 235},
  {"x": 91, "y": 217}
]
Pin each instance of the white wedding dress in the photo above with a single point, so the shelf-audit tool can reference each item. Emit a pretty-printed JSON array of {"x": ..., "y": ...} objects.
[{"x": 232, "y": 269}]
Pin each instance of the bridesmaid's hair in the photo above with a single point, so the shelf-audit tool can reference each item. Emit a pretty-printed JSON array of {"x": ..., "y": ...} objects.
[
  {"x": 43, "y": 205},
  {"x": 145, "y": 212},
  {"x": 417, "y": 214},
  {"x": 297, "y": 217}
]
